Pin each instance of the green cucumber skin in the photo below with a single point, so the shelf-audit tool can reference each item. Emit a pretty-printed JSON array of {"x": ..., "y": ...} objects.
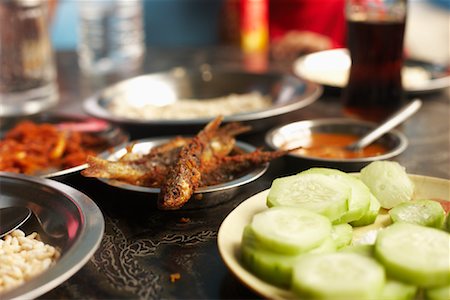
[
  {"x": 438, "y": 293},
  {"x": 421, "y": 212},
  {"x": 271, "y": 267},
  {"x": 397, "y": 290},
  {"x": 371, "y": 214},
  {"x": 342, "y": 235},
  {"x": 400, "y": 246}
]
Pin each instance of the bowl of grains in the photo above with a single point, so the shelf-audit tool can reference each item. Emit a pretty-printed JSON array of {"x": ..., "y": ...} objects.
[
  {"x": 190, "y": 98},
  {"x": 63, "y": 232}
]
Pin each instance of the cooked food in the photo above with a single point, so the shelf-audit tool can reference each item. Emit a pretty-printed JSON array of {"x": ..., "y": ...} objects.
[
  {"x": 190, "y": 108},
  {"x": 23, "y": 257},
  {"x": 32, "y": 148},
  {"x": 332, "y": 145},
  {"x": 182, "y": 165}
]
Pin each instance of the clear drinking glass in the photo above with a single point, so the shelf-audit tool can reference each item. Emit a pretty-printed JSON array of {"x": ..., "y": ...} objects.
[
  {"x": 375, "y": 33},
  {"x": 112, "y": 37},
  {"x": 27, "y": 70}
]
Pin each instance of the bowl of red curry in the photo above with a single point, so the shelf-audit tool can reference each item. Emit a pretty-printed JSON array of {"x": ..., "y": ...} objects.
[{"x": 322, "y": 142}]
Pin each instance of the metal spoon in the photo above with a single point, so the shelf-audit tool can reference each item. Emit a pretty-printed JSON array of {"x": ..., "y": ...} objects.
[
  {"x": 12, "y": 218},
  {"x": 400, "y": 116}
]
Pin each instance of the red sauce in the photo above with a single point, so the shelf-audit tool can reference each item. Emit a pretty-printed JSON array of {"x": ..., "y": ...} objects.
[{"x": 332, "y": 145}]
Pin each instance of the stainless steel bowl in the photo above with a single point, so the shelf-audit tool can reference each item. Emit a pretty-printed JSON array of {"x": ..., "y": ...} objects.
[
  {"x": 394, "y": 141},
  {"x": 204, "y": 196},
  {"x": 288, "y": 93},
  {"x": 64, "y": 218}
]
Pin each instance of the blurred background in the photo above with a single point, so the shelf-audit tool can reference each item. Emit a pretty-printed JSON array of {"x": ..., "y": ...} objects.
[{"x": 185, "y": 23}]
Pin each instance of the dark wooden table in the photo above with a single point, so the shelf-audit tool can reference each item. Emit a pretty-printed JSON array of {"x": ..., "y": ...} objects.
[{"x": 142, "y": 246}]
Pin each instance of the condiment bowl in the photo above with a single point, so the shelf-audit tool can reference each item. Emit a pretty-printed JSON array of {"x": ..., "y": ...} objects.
[{"x": 291, "y": 135}]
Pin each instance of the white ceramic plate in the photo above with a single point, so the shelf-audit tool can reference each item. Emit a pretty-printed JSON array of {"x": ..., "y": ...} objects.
[
  {"x": 331, "y": 68},
  {"x": 230, "y": 232}
]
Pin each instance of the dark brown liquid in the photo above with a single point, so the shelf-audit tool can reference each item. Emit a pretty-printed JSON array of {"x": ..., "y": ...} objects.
[{"x": 374, "y": 88}]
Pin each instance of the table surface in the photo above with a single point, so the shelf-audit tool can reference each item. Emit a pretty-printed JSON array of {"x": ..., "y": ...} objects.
[{"x": 142, "y": 246}]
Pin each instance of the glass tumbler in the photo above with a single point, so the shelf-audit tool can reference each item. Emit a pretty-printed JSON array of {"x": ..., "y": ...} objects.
[
  {"x": 375, "y": 33},
  {"x": 27, "y": 69}
]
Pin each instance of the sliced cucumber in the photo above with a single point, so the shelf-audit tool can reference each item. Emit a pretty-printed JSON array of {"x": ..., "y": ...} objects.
[
  {"x": 422, "y": 212},
  {"x": 415, "y": 254},
  {"x": 316, "y": 192},
  {"x": 438, "y": 293},
  {"x": 290, "y": 230},
  {"x": 371, "y": 214},
  {"x": 397, "y": 290},
  {"x": 327, "y": 246},
  {"x": 388, "y": 181},
  {"x": 361, "y": 249},
  {"x": 358, "y": 203},
  {"x": 337, "y": 276},
  {"x": 342, "y": 235},
  {"x": 272, "y": 267}
]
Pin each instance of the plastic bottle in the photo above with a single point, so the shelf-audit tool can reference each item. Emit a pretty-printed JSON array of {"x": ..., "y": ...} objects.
[{"x": 111, "y": 36}]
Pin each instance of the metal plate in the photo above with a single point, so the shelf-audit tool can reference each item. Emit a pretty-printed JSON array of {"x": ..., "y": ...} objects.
[
  {"x": 210, "y": 195},
  {"x": 64, "y": 217},
  {"x": 331, "y": 67},
  {"x": 288, "y": 93},
  {"x": 113, "y": 135}
]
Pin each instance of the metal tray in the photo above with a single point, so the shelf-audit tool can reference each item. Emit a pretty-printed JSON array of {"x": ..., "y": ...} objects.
[
  {"x": 205, "y": 196},
  {"x": 113, "y": 135},
  {"x": 64, "y": 217},
  {"x": 287, "y": 92}
]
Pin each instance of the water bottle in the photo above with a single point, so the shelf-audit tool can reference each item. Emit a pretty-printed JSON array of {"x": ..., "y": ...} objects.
[{"x": 111, "y": 36}]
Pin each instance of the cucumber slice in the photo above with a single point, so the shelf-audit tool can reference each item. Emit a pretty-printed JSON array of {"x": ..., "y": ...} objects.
[
  {"x": 272, "y": 267},
  {"x": 327, "y": 246},
  {"x": 316, "y": 192},
  {"x": 361, "y": 249},
  {"x": 438, "y": 293},
  {"x": 415, "y": 254},
  {"x": 337, "y": 276},
  {"x": 342, "y": 235},
  {"x": 422, "y": 212},
  {"x": 388, "y": 181},
  {"x": 290, "y": 230},
  {"x": 358, "y": 203},
  {"x": 371, "y": 214},
  {"x": 397, "y": 290}
]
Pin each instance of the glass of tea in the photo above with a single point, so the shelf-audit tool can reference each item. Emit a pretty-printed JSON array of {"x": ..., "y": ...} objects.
[{"x": 375, "y": 34}]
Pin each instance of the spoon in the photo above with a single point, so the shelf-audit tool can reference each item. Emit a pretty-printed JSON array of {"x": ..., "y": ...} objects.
[
  {"x": 12, "y": 218},
  {"x": 398, "y": 117}
]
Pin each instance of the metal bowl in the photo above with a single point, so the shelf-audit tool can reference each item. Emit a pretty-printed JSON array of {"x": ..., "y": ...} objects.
[
  {"x": 288, "y": 93},
  {"x": 394, "y": 141},
  {"x": 204, "y": 196},
  {"x": 64, "y": 218}
]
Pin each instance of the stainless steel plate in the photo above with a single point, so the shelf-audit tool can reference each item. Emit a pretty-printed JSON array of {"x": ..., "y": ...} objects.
[
  {"x": 112, "y": 135},
  {"x": 288, "y": 93},
  {"x": 331, "y": 67},
  {"x": 64, "y": 217},
  {"x": 210, "y": 195}
]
